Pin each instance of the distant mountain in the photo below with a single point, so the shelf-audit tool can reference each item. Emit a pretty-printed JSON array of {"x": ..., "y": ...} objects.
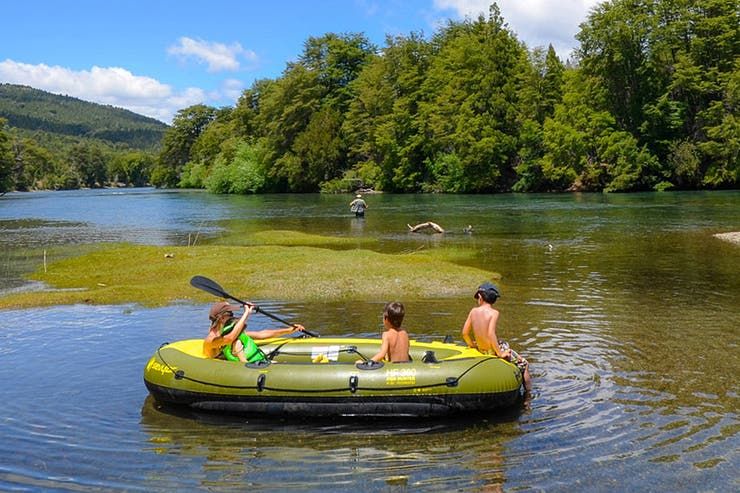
[{"x": 34, "y": 110}]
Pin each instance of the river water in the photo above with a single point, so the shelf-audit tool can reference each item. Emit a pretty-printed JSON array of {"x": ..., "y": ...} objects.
[{"x": 626, "y": 306}]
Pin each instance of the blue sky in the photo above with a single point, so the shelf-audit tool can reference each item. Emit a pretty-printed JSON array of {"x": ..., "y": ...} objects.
[{"x": 155, "y": 57}]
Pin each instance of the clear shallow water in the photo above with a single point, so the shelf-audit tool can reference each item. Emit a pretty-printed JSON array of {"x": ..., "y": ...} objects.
[{"x": 625, "y": 305}]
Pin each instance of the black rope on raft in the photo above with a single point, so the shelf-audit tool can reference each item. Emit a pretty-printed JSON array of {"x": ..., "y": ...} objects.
[
  {"x": 274, "y": 352},
  {"x": 449, "y": 382}
]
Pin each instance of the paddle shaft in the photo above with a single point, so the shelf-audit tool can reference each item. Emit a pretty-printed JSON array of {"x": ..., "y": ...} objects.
[{"x": 212, "y": 287}]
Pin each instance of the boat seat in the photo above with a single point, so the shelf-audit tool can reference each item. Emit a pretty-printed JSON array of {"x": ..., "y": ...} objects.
[{"x": 429, "y": 357}]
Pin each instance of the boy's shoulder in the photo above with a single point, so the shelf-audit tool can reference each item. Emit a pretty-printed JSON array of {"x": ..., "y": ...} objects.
[{"x": 483, "y": 309}]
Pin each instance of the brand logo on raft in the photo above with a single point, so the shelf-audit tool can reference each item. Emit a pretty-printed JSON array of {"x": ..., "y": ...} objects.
[
  {"x": 158, "y": 367},
  {"x": 407, "y": 376}
]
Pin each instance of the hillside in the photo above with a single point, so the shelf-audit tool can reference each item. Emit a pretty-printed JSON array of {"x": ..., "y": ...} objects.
[{"x": 33, "y": 110}]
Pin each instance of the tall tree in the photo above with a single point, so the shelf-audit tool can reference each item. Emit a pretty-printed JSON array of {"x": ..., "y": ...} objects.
[
  {"x": 384, "y": 129},
  {"x": 178, "y": 141},
  {"x": 90, "y": 162},
  {"x": 472, "y": 110},
  {"x": 540, "y": 90},
  {"x": 613, "y": 50},
  {"x": 305, "y": 109},
  {"x": 6, "y": 159}
]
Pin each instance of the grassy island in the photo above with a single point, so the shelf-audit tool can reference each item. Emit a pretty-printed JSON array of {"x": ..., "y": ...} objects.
[{"x": 283, "y": 265}]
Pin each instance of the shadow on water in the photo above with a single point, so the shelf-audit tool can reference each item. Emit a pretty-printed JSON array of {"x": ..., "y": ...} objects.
[
  {"x": 331, "y": 454},
  {"x": 156, "y": 414}
]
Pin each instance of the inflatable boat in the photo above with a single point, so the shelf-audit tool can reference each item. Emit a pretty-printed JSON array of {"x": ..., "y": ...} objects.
[{"x": 333, "y": 377}]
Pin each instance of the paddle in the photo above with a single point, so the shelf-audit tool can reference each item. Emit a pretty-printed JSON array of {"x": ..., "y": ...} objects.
[{"x": 214, "y": 288}]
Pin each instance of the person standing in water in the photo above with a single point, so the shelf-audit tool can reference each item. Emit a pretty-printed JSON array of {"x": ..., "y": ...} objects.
[
  {"x": 482, "y": 321},
  {"x": 358, "y": 206}
]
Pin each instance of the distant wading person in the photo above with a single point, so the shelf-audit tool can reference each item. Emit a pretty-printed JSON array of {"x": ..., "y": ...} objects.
[
  {"x": 482, "y": 321},
  {"x": 358, "y": 206}
]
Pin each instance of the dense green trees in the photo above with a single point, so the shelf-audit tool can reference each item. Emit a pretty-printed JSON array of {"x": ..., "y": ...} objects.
[
  {"x": 31, "y": 109},
  {"x": 649, "y": 103},
  {"x": 6, "y": 159},
  {"x": 665, "y": 68},
  {"x": 58, "y": 142}
]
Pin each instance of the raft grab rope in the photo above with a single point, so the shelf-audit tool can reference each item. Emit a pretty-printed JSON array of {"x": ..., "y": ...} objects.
[{"x": 353, "y": 386}]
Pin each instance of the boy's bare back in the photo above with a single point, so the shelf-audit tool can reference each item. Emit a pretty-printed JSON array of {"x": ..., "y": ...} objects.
[
  {"x": 483, "y": 321},
  {"x": 398, "y": 344}
]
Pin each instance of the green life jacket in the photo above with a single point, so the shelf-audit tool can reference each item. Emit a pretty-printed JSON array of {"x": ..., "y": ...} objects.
[{"x": 252, "y": 352}]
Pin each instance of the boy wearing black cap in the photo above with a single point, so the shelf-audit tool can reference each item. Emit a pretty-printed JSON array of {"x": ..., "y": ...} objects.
[{"x": 482, "y": 320}]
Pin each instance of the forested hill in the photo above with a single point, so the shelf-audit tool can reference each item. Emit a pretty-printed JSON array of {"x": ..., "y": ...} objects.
[{"x": 30, "y": 109}]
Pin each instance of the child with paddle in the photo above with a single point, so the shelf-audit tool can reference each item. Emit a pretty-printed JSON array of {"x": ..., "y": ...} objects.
[
  {"x": 482, "y": 320},
  {"x": 225, "y": 331}
]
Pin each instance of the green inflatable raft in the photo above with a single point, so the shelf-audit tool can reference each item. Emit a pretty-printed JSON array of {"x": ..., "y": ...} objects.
[{"x": 321, "y": 377}]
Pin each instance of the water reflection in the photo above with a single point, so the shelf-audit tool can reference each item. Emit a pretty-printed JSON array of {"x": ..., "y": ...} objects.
[
  {"x": 332, "y": 455},
  {"x": 357, "y": 226}
]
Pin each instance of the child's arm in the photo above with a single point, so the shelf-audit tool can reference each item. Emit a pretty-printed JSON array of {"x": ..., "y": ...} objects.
[
  {"x": 492, "y": 335},
  {"x": 239, "y": 326},
  {"x": 466, "y": 332},
  {"x": 270, "y": 333},
  {"x": 385, "y": 346}
]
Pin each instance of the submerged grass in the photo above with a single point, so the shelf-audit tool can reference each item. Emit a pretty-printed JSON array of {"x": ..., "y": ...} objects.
[
  {"x": 293, "y": 238},
  {"x": 287, "y": 266}
]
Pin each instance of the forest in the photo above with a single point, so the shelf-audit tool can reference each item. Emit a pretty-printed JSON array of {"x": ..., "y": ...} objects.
[
  {"x": 649, "y": 101},
  {"x": 48, "y": 141}
]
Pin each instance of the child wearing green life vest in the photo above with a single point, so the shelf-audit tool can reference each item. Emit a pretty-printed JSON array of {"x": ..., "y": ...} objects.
[{"x": 223, "y": 336}]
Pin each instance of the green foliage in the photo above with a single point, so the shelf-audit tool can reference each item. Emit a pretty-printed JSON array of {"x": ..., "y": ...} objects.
[
  {"x": 448, "y": 173},
  {"x": 650, "y": 101},
  {"x": 246, "y": 173},
  {"x": 667, "y": 71},
  {"x": 131, "y": 168},
  {"x": 31, "y": 109},
  {"x": 6, "y": 160},
  {"x": 473, "y": 99},
  {"x": 58, "y": 142},
  {"x": 178, "y": 142},
  {"x": 90, "y": 163},
  {"x": 722, "y": 147},
  {"x": 629, "y": 166}
]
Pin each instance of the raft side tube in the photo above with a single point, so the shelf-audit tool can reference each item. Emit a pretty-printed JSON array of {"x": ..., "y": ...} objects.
[{"x": 416, "y": 406}]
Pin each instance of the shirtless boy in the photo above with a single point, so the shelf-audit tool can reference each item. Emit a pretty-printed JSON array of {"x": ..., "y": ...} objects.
[
  {"x": 482, "y": 320},
  {"x": 395, "y": 344}
]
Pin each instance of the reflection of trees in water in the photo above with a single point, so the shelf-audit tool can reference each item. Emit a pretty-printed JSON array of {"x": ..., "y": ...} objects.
[
  {"x": 394, "y": 455},
  {"x": 357, "y": 225}
]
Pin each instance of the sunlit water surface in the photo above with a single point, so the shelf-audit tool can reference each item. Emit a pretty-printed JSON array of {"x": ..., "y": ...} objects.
[{"x": 626, "y": 306}]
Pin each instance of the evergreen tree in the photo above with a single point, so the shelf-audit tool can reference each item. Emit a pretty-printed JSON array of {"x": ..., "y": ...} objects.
[{"x": 6, "y": 160}]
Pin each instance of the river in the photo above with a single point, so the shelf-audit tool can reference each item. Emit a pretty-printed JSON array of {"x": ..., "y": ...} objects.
[{"x": 626, "y": 306}]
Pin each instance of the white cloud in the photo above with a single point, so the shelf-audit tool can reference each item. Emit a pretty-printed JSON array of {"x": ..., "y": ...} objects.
[
  {"x": 217, "y": 56},
  {"x": 231, "y": 89},
  {"x": 106, "y": 85},
  {"x": 536, "y": 22}
]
